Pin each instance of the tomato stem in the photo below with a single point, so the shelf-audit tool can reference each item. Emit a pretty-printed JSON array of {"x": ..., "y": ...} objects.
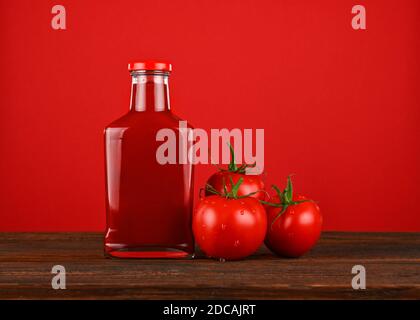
[
  {"x": 233, "y": 193},
  {"x": 233, "y": 167},
  {"x": 285, "y": 198}
]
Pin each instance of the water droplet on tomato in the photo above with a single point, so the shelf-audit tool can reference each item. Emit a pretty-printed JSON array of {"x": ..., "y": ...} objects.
[
  {"x": 242, "y": 212},
  {"x": 224, "y": 226},
  {"x": 242, "y": 203},
  {"x": 222, "y": 260},
  {"x": 237, "y": 243}
]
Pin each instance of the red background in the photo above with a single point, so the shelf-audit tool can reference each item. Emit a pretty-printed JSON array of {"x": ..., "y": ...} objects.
[{"x": 340, "y": 107}]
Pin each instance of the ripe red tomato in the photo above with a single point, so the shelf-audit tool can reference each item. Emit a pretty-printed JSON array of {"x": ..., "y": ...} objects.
[
  {"x": 294, "y": 227},
  {"x": 252, "y": 185},
  {"x": 229, "y": 228}
]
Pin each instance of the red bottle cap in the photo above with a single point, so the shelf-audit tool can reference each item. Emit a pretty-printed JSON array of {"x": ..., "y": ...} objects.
[{"x": 149, "y": 65}]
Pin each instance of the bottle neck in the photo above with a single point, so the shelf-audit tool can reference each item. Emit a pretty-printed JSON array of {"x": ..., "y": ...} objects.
[{"x": 150, "y": 91}]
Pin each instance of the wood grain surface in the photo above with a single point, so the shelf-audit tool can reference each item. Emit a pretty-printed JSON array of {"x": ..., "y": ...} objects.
[{"x": 392, "y": 262}]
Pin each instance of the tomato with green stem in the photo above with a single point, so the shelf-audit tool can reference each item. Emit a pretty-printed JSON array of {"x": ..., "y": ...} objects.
[
  {"x": 294, "y": 223},
  {"x": 251, "y": 184},
  {"x": 227, "y": 225}
]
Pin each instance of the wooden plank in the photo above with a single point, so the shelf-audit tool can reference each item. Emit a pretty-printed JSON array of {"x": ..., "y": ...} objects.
[{"x": 392, "y": 262}]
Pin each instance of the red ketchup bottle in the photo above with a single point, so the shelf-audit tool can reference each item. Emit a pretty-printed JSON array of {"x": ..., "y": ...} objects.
[{"x": 148, "y": 204}]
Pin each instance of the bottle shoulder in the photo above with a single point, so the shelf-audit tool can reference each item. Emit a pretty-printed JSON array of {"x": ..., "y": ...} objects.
[
  {"x": 146, "y": 119},
  {"x": 120, "y": 122}
]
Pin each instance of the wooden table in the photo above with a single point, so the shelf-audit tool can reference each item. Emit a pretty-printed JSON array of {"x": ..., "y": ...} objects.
[{"x": 392, "y": 262}]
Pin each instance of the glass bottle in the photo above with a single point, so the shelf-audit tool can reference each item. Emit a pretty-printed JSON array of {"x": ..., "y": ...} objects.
[{"x": 148, "y": 204}]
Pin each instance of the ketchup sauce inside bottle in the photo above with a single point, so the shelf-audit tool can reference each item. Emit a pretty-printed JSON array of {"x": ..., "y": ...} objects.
[{"x": 148, "y": 204}]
